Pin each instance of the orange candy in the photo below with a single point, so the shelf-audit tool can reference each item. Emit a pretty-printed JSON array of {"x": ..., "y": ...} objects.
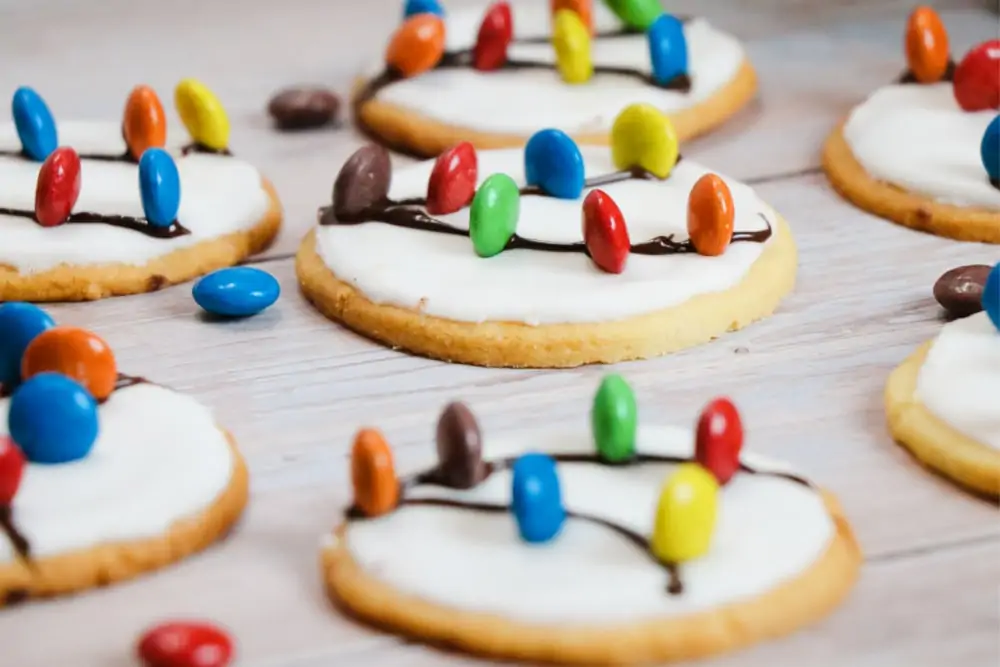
[
  {"x": 710, "y": 215},
  {"x": 417, "y": 46},
  {"x": 926, "y": 45},
  {"x": 581, "y": 7},
  {"x": 76, "y": 353},
  {"x": 376, "y": 489},
  {"x": 144, "y": 124}
]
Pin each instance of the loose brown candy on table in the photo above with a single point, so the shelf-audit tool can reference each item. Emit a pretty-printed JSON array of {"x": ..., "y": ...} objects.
[
  {"x": 960, "y": 291},
  {"x": 363, "y": 180},
  {"x": 304, "y": 108}
]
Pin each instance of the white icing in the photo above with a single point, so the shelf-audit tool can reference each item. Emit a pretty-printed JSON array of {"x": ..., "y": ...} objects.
[
  {"x": 769, "y": 530},
  {"x": 523, "y": 101},
  {"x": 959, "y": 381},
  {"x": 219, "y": 196},
  {"x": 441, "y": 275},
  {"x": 159, "y": 458},
  {"x": 918, "y": 138}
]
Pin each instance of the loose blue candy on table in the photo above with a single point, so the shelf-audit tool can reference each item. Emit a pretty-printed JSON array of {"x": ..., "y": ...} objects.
[
  {"x": 553, "y": 162},
  {"x": 990, "y": 149},
  {"x": 536, "y": 498},
  {"x": 991, "y": 296},
  {"x": 413, "y": 7},
  {"x": 668, "y": 50},
  {"x": 239, "y": 291},
  {"x": 35, "y": 126},
  {"x": 19, "y": 324},
  {"x": 53, "y": 419},
  {"x": 159, "y": 187}
]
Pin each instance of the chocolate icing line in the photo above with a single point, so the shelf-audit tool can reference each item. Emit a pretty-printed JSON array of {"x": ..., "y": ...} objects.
[
  {"x": 908, "y": 77},
  {"x": 193, "y": 147},
  {"x": 140, "y": 225}
]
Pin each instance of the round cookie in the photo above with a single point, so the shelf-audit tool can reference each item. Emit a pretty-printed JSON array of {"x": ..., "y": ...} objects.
[
  {"x": 105, "y": 242},
  {"x": 706, "y": 78},
  {"x": 537, "y": 548}
]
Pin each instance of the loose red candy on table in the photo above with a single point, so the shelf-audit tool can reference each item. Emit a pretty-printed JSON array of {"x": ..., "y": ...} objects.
[
  {"x": 604, "y": 232},
  {"x": 185, "y": 644},
  {"x": 926, "y": 43},
  {"x": 76, "y": 353},
  {"x": 11, "y": 469},
  {"x": 495, "y": 33},
  {"x": 977, "y": 78},
  {"x": 452, "y": 183},
  {"x": 58, "y": 187},
  {"x": 719, "y": 439},
  {"x": 417, "y": 46},
  {"x": 144, "y": 123},
  {"x": 711, "y": 215}
]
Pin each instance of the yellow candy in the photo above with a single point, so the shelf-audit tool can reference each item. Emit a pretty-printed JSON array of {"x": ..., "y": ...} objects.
[
  {"x": 685, "y": 516},
  {"x": 202, "y": 114},
  {"x": 571, "y": 40},
  {"x": 643, "y": 136}
]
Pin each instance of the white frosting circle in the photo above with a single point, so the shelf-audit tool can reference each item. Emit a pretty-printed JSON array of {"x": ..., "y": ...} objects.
[
  {"x": 959, "y": 381},
  {"x": 769, "y": 530},
  {"x": 441, "y": 275},
  {"x": 526, "y": 100},
  {"x": 159, "y": 458},
  {"x": 219, "y": 195},
  {"x": 918, "y": 138}
]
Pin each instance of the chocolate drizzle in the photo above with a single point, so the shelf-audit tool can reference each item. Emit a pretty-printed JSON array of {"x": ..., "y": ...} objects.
[
  {"x": 140, "y": 225},
  {"x": 122, "y": 382},
  {"x": 949, "y": 75},
  {"x": 199, "y": 148}
]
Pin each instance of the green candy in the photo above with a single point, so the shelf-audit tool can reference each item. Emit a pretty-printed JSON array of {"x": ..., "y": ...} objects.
[
  {"x": 638, "y": 14},
  {"x": 613, "y": 420},
  {"x": 493, "y": 214}
]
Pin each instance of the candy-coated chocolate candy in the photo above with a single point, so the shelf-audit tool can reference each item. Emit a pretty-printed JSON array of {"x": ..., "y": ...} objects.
[
  {"x": 642, "y": 136},
  {"x": 363, "y": 180},
  {"x": 613, "y": 419},
  {"x": 582, "y": 7},
  {"x": 991, "y": 296},
  {"x": 685, "y": 515},
  {"x": 53, "y": 419},
  {"x": 159, "y": 187},
  {"x": 711, "y": 215},
  {"x": 638, "y": 14},
  {"x": 927, "y": 51},
  {"x": 452, "y": 183},
  {"x": 495, "y": 33},
  {"x": 19, "y": 324},
  {"x": 719, "y": 439},
  {"x": 571, "y": 41},
  {"x": 35, "y": 126},
  {"x": 237, "y": 291},
  {"x": 413, "y": 7},
  {"x": 202, "y": 114},
  {"x": 668, "y": 50},
  {"x": 144, "y": 122},
  {"x": 185, "y": 644},
  {"x": 75, "y": 353},
  {"x": 536, "y": 498},
  {"x": 960, "y": 290},
  {"x": 977, "y": 78},
  {"x": 460, "y": 448},
  {"x": 373, "y": 474},
  {"x": 553, "y": 162},
  {"x": 417, "y": 45},
  {"x": 604, "y": 232},
  {"x": 58, "y": 187},
  {"x": 11, "y": 469},
  {"x": 493, "y": 215},
  {"x": 989, "y": 150}
]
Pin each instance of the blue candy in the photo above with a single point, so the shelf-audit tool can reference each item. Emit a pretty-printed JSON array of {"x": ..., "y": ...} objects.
[
  {"x": 668, "y": 50},
  {"x": 35, "y": 125},
  {"x": 239, "y": 291},
  {"x": 414, "y": 7},
  {"x": 536, "y": 498},
  {"x": 53, "y": 419},
  {"x": 990, "y": 149},
  {"x": 553, "y": 162},
  {"x": 159, "y": 186},
  {"x": 991, "y": 296},
  {"x": 19, "y": 324}
]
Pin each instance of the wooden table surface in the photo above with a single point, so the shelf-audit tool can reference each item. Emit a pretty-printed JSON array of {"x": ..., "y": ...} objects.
[{"x": 294, "y": 387}]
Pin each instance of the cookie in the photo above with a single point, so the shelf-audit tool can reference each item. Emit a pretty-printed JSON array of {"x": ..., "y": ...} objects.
[
  {"x": 87, "y": 221},
  {"x": 924, "y": 152},
  {"x": 494, "y": 79},
  {"x": 628, "y": 544}
]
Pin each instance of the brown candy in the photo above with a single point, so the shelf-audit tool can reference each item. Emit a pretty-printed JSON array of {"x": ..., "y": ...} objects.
[
  {"x": 960, "y": 290},
  {"x": 363, "y": 180},
  {"x": 303, "y": 108},
  {"x": 460, "y": 448}
]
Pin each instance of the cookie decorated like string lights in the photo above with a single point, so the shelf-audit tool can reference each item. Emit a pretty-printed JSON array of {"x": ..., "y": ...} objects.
[
  {"x": 496, "y": 76},
  {"x": 115, "y": 209},
  {"x": 553, "y": 255},
  {"x": 625, "y": 543},
  {"x": 169, "y": 479},
  {"x": 941, "y": 402},
  {"x": 924, "y": 151}
]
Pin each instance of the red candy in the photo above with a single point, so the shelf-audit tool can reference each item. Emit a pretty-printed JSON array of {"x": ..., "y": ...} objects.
[
  {"x": 185, "y": 644},
  {"x": 977, "y": 78},
  {"x": 495, "y": 33},
  {"x": 604, "y": 232},
  {"x": 719, "y": 439},
  {"x": 11, "y": 469},
  {"x": 58, "y": 187},
  {"x": 453, "y": 180}
]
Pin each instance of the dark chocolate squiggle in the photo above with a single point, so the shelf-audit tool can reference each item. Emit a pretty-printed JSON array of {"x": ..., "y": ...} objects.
[
  {"x": 140, "y": 225},
  {"x": 193, "y": 147},
  {"x": 948, "y": 76}
]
